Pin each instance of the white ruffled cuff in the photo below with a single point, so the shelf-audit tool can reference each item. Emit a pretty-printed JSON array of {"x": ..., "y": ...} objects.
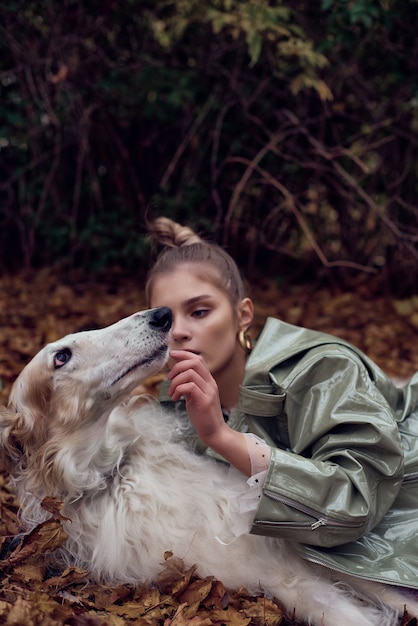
[
  {"x": 245, "y": 495},
  {"x": 259, "y": 453}
]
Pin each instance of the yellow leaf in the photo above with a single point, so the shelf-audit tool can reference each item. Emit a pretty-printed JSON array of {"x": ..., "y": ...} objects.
[
  {"x": 170, "y": 581},
  {"x": 69, "y": 576},
  {"x": 4, "y": 608},
  {"x": 47, "y": 536},
  {"x": 54, "y": 506},
  {"x": 229, "y": 616},
  {"x": 217, "y": 596},
  {"x": 404, "y": 307},
  {"x": 265, "y": 609},
  {"x": 197, "y": 591},
  {"x": 18, "y": 613},
  {"x": 181, "y": 618},
  {"x": 30, "y": 572},
  {"x": 414, "y": 319}
]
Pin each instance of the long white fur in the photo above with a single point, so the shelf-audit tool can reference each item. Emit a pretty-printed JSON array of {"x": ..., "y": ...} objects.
[{"x": 133, "y": 491}]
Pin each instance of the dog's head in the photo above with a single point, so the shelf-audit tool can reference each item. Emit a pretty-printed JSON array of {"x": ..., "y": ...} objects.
[{"x": 78, "y": 380}]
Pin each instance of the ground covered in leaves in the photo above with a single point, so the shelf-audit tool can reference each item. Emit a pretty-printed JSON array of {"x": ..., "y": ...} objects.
[{"x": 42, "y": 307}]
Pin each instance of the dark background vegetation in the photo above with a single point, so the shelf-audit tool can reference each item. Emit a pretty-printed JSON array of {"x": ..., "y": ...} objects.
[{"x": 284, "y": 130}]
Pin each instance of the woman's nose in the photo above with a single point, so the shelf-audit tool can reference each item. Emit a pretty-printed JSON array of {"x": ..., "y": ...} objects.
[{"x": 179, "y": 331}]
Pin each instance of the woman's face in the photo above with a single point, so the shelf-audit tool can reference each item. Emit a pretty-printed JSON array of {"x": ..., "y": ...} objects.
[{"x": 204, "y": 320}]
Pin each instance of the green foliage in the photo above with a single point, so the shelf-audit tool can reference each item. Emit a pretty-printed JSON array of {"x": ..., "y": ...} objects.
[
  {"x": 270, "y": 32},
  {"x": 362, "y": 12},
  {"x": 285, "y": 130}
]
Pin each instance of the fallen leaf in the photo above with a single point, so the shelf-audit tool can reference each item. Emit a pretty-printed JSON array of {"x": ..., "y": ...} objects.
[
  {"x": 197, "y": 591},
  {"x": 48, "y": 535},
  {"x": 181, "y": 618}
]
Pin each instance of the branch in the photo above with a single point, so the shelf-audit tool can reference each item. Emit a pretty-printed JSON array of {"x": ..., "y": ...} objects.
[
  {"x": 302, "y": 222},
  {"x": 251, "y": 166},
  {"x": 186, "y": 139},
  {"x": 321, "y": 150}
]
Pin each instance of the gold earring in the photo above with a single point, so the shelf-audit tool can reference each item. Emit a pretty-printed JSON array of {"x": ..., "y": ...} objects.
[{"x": 245, "y": 342}]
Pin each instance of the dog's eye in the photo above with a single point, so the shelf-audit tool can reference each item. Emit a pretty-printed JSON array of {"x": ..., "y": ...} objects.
[{"x": 62, "y": 357}]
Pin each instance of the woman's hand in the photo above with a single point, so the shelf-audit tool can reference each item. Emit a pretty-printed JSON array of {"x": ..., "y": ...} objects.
[{"x": 191, "y": 379}]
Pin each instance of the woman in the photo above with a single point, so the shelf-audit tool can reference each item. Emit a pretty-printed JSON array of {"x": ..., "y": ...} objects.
[{"x": 330, "y": 444}]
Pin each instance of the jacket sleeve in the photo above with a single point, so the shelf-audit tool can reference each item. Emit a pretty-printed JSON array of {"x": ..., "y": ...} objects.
[{"x": 342, "y": 468}]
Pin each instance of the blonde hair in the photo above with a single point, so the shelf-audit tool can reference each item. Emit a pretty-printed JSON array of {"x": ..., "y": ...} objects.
[{"x": 183, "y": 245}]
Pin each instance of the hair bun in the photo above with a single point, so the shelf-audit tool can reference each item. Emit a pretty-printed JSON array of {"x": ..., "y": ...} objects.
[{"x": 171, "y": 234}]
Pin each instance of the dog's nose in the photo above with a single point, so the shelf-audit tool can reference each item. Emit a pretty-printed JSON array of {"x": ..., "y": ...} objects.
[{"x": 161, "y": 318}]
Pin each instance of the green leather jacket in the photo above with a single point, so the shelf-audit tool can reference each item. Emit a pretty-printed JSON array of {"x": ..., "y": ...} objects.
[{"x": 343, "y": 478}]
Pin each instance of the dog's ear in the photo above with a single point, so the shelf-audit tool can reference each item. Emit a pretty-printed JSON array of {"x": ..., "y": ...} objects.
[
  {"x": 12, "y": 436},
  {"x": 21, "y": 430}
]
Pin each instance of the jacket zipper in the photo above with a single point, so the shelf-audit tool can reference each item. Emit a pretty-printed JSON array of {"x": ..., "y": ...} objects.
[
  {"x": 409, "y": 478},
  {"x": 321, "y": 520}
]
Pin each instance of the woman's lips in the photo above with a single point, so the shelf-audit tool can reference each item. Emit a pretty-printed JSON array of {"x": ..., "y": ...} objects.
[{"x": 186, "y": 350}]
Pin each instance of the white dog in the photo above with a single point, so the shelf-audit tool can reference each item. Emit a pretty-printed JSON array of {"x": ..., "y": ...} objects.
[{"x": 133, "y": 492}]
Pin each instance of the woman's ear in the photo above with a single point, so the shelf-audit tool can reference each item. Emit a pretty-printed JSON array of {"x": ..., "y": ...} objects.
[{"x": 245, "y": 313}]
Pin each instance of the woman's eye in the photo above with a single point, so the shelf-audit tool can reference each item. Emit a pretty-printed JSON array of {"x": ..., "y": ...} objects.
[
  {"x": 61, "y": 357},
  {"x": 200, "y": 312}
]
